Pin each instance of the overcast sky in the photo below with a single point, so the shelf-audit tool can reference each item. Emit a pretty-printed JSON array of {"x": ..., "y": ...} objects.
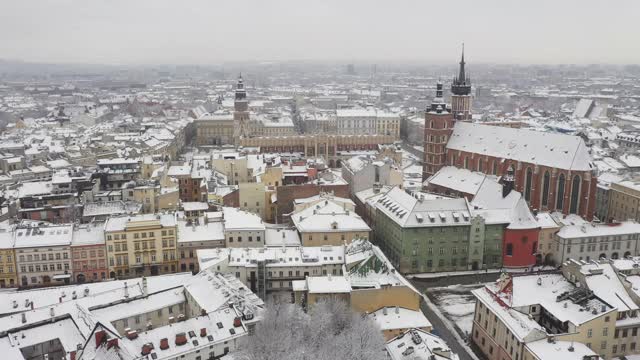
[{"x": 214, "y": 31}]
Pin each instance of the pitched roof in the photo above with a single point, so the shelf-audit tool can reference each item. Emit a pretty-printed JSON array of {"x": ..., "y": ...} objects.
[{"x": 542, "y": 148}]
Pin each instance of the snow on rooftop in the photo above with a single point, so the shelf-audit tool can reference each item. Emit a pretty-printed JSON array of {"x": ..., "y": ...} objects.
[
  {"x": 236, "y": 220},
  {"x": 417, "y": 344},
  {"x": 394, "y": 318},
  {"x": 543, "y": 148},
  {"x": 328, "y": 284}
]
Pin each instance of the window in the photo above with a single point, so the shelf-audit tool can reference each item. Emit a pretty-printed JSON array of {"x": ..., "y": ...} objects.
[
  {"x": 230, "y": 238},
  {"x": 509, "y": 250},
  {"x": 560, "y": 192},
  {"x": 527, "y": 184},
  {"x": 575, "y": 195}
]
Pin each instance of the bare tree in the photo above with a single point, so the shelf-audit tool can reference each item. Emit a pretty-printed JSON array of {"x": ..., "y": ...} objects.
[{"x": 331, "y": 330}]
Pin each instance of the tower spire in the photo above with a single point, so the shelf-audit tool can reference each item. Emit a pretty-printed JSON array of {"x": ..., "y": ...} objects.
[{"x": 461, "y": 76}]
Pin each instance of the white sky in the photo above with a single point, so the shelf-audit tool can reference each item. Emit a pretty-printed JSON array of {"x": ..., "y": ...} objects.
[{"x": 214, "y": 31}]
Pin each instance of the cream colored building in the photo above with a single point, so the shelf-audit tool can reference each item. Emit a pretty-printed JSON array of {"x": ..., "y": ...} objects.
[
  {"x": 329, "y": 221},
  {"x": 624, "y": 201},
  {"x": 168, "y": 198},
  {"x": 214, "y": 129},
  {"x": 43, "y": 254},
  {"x": 548, "y": 228},
  {"x": 518, "y": 310},
  {"x": 233, "y": 166},
  {"x": 141, "y": 245},
  {"x": 252, "y": 198},
  {"x": 388, "y": 124},
  {"x": 8, "y": 270}
]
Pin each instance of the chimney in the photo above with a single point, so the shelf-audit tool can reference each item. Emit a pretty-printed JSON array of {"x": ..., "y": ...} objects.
[
  {"x": 397, "y": 310},
  {"x": 52, "y": 313},
  {"x": 145, "y": 289},
  {"x": 132, "y": 334},
  {"x": 181, "y": 338},
  {"x": 508, "y": 182},
  {"x": 164, "y": 344},
  {"x": 24, "y": 317},
  {"x": 384, "y": 311},
  {"x": 126, "y": 290},
  {"x": 237, "y": 322},
  {"x": 100, "y": 336},
  {"x": 146, "y": 348},
  {"x": 203, "y": 332},
  {"x": 112, "y": 343}
]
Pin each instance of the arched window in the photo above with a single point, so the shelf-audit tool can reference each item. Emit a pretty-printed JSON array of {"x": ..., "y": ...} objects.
[
  {"x": 480, "y": 165},
  {"x": 560, "y": 193},
  {"x": 527, "y": 184},
  {"x": 466, "y": 162},
  {"x": 545, "y": 188},
  {"x": 575, "y": 195}
]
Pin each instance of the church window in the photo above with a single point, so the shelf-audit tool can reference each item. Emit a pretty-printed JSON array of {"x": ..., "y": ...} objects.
[
  {"x": 527, "y": 184},
  {"x": 545, "y": 188},
  {"x": 575, "y": 195},
  {"x": 560, "y": 192}
]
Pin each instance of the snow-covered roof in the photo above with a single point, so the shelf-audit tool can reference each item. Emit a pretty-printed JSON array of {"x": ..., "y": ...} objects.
[
  {"x": 277, "y": 236},
  {"x": 121, "y": 223},
  {"x": 543, "y": 148},
  {"x": 240, "y": 220},
  {"x": 409, "y": 211},
  {"x": 458, "y": 179},
  {"x": 200, "y": 231},
  {"x": 394, "y": 318},
  {"x": 328, "y": 216},
  {"x": 565, "y": 350},
  {"x": 417, "y": 344},
  {"x": 593, "y": 229},
  {"x": 34, "y": 236},
  {"x": 328, "y": 284}
]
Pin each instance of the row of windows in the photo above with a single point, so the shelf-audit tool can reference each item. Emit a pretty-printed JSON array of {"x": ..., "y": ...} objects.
[
  {"x": 44, "y": 267},
  {"x": 258, "y": 239},
  {"x": 91, "y": 253},
  {"x": 139, "y": 235},
  {"x": 43, "y": 257}
]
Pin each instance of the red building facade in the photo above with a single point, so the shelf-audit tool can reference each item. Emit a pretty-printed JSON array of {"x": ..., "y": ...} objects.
[
  {"x": 545, "y": 188},
  {"x": 437, "y": 131},
  {"x": 519, "y": 247}
]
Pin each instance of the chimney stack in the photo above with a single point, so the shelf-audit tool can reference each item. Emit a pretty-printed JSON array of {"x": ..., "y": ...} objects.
[{"x": 145, "y": 288}]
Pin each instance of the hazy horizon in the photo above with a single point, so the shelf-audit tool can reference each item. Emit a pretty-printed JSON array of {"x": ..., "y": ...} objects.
[{"x": 198, "y": 32}]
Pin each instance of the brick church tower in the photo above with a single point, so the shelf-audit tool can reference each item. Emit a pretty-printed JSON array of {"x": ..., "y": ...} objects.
[
  {"x": 240, "y": 113},
  {"x": 438, "y": 126},
  {"x": 461, "y": 94}
]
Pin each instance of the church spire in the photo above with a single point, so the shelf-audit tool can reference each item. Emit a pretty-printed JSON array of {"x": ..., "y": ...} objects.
[
  {"x": 461, "y": 84},
  {"x": 461, "y": 76}
]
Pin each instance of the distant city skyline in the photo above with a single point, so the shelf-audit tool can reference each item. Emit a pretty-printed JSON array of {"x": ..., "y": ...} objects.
[{"x": 118, "y": 32}]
